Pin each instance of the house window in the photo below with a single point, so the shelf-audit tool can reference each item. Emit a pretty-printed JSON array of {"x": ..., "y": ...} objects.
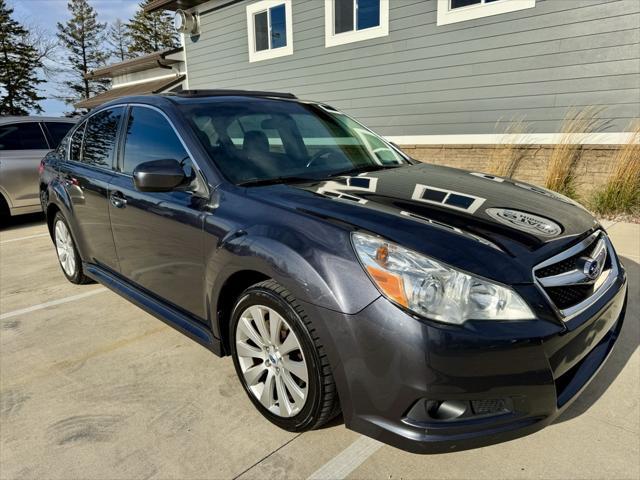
[
  {"x": 270, "y": 29},
  {"x": 452, "y": 11},
  {"x": 349, "y": 21}
]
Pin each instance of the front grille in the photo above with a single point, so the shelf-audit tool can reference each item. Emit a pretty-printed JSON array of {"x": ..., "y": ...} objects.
[
  {"x": 566, "y": 297},
  {"x": 566, "y": 265},
  {"x": 563, "y": 276}
]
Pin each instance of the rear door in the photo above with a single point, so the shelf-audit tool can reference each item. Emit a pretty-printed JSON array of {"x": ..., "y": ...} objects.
[
  {"x": 158, "y": 235},
  {"x": 86, "y": 175},
  {"x": 22, "y": 146}
]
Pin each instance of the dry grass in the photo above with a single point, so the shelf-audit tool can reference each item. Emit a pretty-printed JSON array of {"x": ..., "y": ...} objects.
[
  {"x": 560, "y": 175},
  {"x": 506, "y": 156},
  {"x": 621, "y": 193}
]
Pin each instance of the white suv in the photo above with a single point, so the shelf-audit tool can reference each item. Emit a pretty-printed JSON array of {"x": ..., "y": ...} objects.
[{"x": 24, "y": 141}]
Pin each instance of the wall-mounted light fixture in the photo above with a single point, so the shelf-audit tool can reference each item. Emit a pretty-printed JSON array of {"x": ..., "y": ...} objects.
[{"x": 185, "y": 22}]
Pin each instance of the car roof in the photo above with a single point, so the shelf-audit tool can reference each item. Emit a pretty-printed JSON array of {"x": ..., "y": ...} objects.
[
  {"x": 193, "y": 96},
  {"x": 36, "y": 118}
]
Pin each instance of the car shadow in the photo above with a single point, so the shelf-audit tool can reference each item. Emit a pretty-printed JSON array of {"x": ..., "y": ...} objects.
[
  {"x": 19, "y": 221},
  {"x": 334, "y": 422},
  {"x": 627, "y": 344}
]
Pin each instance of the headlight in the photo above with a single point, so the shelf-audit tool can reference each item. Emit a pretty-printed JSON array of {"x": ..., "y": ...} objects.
[{"x": 435, "y": 290}]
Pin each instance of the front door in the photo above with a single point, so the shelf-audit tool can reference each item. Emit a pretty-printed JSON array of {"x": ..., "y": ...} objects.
[{"x": 158, "y": 235}]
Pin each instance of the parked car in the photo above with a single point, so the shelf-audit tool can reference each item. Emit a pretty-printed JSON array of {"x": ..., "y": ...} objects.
[
  {"x": 438, "y": 309},
  {"x": 24, "y": 141}
]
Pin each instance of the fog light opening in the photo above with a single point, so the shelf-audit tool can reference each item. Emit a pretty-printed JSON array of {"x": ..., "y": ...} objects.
[
  {"x": 449, "y": 410},
  {"x": 427, "y": 411}
]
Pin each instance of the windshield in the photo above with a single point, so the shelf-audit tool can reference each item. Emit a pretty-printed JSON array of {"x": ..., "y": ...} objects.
[{"x": 259, "y": 141}]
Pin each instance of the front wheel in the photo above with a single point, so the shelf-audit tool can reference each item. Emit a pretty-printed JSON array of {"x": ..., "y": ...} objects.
[
  {"x": 280, "y": 361},
  {"x": 67, "y": 252}
]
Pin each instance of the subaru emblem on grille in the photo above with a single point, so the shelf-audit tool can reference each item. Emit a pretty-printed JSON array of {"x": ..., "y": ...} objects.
[
  {"x": 525, "y": 221},
  {"x": 593, "y": 266}
]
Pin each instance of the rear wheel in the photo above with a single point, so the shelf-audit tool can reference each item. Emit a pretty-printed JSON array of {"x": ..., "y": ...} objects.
[
  {"x": 280, "y": 361},
  {"x": 4, "y": 208},
  {"x": 67, "y": 251}
]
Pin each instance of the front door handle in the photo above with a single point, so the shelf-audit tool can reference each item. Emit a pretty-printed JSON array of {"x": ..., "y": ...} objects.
[{"x": 118, "y": 200}]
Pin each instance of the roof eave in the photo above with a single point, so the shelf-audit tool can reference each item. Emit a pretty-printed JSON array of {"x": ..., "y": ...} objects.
[
  {"x": 156, "y": 5},
  {"x": 130, "y": 65},
  {"x": 143, "y": 88}
]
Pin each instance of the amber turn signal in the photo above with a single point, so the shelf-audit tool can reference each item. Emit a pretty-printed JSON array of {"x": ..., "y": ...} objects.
[{"x": 390, "y": 284}]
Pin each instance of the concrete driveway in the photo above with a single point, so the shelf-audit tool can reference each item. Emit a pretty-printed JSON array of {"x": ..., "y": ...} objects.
[{"x": 92, "y": 387}]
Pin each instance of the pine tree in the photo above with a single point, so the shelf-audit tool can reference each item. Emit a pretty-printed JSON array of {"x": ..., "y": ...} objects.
[
  {"x": 19, "y": 65},
  {"x": 151, "y": 32},
  {"x": 83, "y": 37},
  {"x": 118, "y": 38}
]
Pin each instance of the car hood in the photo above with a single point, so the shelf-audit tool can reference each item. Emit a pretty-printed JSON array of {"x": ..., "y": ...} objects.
[{"x": 487, "y": 225}]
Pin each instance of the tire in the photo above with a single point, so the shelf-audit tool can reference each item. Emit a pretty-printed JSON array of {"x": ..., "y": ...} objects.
[
  {"x": 5, "y": 213},
  {"x": 257, "y": 359},
  {"x": 68, "y": 257}
]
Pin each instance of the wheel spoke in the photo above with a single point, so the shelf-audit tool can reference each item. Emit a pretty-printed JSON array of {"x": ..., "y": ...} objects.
[
  {"x": 290, "y": 344},
  {"x": 283, "y": 399},
  {"x": 299, "y": 369},
  {"x": 257, "y": 313},
  {"x": 72, "y": 264},
  {"x": 275, "y": 324},
  {"x": 246, "y": 350},
  {"x": 266, "y": 397},
  {"x": 247, "y": 329},
  {"x": 253, "y": 374},
  {"x": 293, "y": 388}
]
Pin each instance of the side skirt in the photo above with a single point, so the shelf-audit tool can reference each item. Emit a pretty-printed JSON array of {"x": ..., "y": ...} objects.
[{"x": 168, "y": 314}]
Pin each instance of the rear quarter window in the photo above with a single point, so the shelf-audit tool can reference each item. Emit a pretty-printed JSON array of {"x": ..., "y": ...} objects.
[{"x": 100, "y": 138}]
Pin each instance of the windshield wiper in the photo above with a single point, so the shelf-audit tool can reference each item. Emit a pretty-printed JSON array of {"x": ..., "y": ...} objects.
[
  {"x": 254, "y": 182},
  {"x": 364, "y": 168}
]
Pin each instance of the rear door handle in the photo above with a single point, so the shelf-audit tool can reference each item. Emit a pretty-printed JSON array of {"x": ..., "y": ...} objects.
[{"x": 118, "y": 200}]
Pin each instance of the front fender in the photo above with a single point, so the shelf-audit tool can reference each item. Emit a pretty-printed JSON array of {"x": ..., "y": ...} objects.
[
  {"x": 319, "y": 269},
  {"x": 325, "y": 274}
]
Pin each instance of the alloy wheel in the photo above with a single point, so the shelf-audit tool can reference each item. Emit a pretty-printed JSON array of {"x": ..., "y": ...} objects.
[
  {"x": 272, "y": 361},
  {"x": 64, "y": 247}
]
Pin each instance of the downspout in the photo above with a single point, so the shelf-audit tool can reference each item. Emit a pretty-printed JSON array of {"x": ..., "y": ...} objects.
[{"x": 161, "y": 64}]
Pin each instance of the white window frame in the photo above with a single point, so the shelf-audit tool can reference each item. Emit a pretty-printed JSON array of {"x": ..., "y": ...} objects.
[
  {"x": 265, "y": 5},
  {"x": 447, "y": 15},
  {"x": 332, "y": 39}
]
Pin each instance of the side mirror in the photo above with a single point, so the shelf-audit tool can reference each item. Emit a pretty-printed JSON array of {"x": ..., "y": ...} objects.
[{"x": 158, "y": 176}]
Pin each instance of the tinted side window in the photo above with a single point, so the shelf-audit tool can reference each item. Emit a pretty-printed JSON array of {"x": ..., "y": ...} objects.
[
  {"x": 100, "y": 137},
  {"x": 76, "y": 142},
  {"x": 22, "y": 136},
  {"x": 57, "y": 131},
  {"x": 150, "y": 137}
]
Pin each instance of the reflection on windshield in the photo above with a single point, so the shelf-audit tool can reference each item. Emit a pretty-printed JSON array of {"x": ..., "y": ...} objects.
[{"x": 255, "y": 141}]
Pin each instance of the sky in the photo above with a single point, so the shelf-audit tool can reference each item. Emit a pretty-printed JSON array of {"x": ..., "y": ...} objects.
[{"x": 45, "y": 14}]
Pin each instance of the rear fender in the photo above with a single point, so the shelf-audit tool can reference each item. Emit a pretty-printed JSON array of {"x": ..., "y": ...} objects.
[{"x": 58, "y": 195}]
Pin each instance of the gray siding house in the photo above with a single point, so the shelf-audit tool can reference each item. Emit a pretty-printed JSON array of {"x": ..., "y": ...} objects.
[{"x": 427, "y": 71}]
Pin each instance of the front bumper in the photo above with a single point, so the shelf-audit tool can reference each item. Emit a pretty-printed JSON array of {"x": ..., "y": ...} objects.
[{"x": 385, "y": 360}]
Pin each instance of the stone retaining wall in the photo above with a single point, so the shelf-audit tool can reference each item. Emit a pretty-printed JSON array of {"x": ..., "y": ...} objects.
[{"x": 592, "y": 170}]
